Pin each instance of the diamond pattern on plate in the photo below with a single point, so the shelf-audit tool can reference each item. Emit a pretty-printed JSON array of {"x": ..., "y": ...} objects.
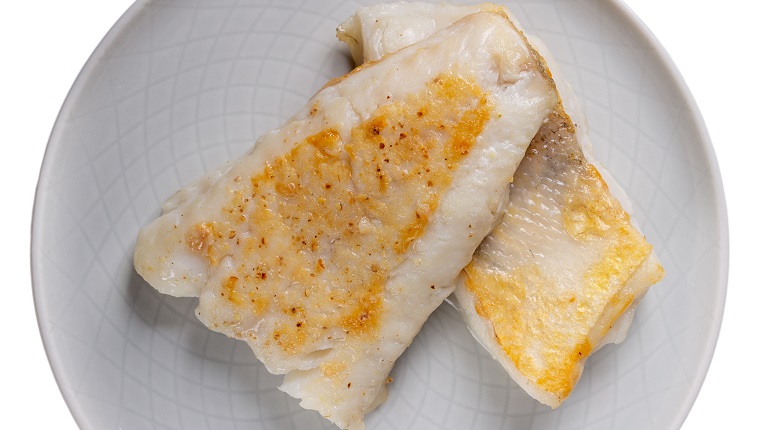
[{"x": 179, "y": 87}]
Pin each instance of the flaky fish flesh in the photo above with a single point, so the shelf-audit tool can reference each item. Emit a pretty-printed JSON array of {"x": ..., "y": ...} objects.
[
  {"x": 563, "y": 272},
  {"x": 329, "y": 244}
]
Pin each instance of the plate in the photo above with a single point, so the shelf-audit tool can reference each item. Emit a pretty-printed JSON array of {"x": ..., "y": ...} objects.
[{"x": 178, "y": 87}]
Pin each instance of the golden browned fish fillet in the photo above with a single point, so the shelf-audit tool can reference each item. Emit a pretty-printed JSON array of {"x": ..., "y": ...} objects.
[
  {"x": 328, "y": 246},
  {"x": 565, "y": 264}
]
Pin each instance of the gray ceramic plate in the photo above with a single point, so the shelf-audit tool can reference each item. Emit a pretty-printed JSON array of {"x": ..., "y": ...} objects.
[{"x": 179, "y": 86}]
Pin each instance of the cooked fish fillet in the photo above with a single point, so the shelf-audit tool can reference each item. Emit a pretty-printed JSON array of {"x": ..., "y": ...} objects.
[
  {"x": 562, "y": 274},
  {"x": 329, "y": 244},
  {"x": 565, "y": 264}
]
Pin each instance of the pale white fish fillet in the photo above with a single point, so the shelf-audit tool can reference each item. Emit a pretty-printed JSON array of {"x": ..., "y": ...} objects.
[
  {"x": 563, "y": 272},
  {"x": 328, "y": 246}
]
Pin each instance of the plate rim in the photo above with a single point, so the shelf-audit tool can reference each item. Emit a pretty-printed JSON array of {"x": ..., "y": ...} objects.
[
  {"x": 49, "y": 155},
  {"x": 721, "y": 211}
]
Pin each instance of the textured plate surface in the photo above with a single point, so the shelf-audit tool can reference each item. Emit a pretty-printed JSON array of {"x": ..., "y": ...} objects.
[{"x": 180, "y": 86}]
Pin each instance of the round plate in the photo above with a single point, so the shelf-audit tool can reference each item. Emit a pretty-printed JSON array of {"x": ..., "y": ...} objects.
[{"x": 178, "y": 87}]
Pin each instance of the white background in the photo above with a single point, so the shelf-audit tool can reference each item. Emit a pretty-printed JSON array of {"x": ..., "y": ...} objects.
[{"x": 44, "y": 43}]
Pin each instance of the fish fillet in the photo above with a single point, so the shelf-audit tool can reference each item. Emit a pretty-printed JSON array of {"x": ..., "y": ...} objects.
[
  {"x": 562, "y": 274},
  {"x": 329, "y": 244}
]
